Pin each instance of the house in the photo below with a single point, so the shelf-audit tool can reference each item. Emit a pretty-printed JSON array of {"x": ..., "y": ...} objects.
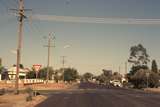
[{"x": 12, "y": 73}]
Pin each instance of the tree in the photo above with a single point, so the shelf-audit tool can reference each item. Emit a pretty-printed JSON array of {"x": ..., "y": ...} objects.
[
  {"x": 58, "y": 76},
  {"x": 139, "y": 79},
  {"x": 20, "y": 66},
  {"x": 87, "y": 76},
  {"x": 101, "y": 78},
  {"x": 139, "y": 59},
  {"x": 31, "y": 75},
  {"x": 153, "y": 79},
  {"x": 43, "y": 73},
  {"x": 70, "y": 74},
  {"x": 134, "y": 69},
  {"x": 105, "y": 77},
  {"x": 154, "y": 67},
  {"x": 138, "y": 55},
  {"x": 107, "y": 73},
  {"x": 116, "y": 76}
]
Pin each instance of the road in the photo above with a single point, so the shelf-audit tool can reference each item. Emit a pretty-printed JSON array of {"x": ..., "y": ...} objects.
[{"x": 90, "y": 95}]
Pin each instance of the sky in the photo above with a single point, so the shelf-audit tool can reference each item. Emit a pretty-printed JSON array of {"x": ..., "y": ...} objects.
[{"x": 92, "y": 46}]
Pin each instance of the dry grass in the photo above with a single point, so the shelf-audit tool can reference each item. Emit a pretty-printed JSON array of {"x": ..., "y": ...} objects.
[
  {"x": 156, "y": 90},
  {"x": 11, "y": 100}
]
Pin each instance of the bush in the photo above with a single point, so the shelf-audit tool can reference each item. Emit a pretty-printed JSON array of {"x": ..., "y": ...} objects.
[
  {"x": 30, "y": 94},
  {"x": 29, "y": 98},
  {"x": 2, "y": 91},
  {"x": 29, "y": 90},
  {"x": 153, "y": 79},
  {"x": 139, "y": 79}
]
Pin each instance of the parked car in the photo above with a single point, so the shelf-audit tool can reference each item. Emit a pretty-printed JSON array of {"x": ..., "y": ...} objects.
[{"x": 116, "y": 83}]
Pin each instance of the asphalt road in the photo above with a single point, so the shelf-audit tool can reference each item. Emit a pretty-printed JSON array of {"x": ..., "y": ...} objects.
[{"x": 90, "y": 95}]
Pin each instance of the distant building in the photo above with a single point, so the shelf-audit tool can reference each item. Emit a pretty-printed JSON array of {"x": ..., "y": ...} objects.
[{"x": 12, "y": 73}]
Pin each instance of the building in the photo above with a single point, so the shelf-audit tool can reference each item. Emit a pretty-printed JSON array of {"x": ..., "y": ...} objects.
[{"x": 12, "y": 73}]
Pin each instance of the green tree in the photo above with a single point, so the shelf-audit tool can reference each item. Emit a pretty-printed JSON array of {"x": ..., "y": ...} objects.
[
  {"x": 31, "y": 75},
  {"x": 101, "y": 78},
  {"x": 87, "y": 76},
  {"x": 138, "y": 55},
  {"x": 116, "y": 76},
  {"x": 153, "y": 79},
  {"x": 1, "y": 68},
  {"x": 70, "y": 74},
  {"x": 139, "y": 59},
  {"x": 154, "y": 67},
  {"x": 139, "y": 79},
  {"x": 58, "y": 76},
  {"x": 43, "y": 73},
  {"x": 20, "y": 65}
]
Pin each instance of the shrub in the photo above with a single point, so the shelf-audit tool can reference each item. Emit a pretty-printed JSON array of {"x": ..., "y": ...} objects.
[{"x": 30, "y": 94}]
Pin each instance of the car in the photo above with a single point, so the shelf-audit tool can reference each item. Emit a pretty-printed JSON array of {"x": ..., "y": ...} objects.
[{"x": 116, "y": 83}]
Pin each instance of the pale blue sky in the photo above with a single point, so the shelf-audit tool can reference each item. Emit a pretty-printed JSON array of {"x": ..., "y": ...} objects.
[{"x": 93, "y": 46}]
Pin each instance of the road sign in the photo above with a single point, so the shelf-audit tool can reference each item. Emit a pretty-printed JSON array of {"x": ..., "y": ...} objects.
[{"x": 37, "y": 67}]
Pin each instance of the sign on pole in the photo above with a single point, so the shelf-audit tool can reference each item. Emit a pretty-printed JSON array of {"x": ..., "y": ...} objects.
[{"x": 37, "y": 67}]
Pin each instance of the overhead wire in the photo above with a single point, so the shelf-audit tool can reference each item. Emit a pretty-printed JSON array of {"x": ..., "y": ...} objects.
[
  {"x": 34, "y": 27},
  {"x": 4, "y": 5},
  {"x": 13, "y": 3}
]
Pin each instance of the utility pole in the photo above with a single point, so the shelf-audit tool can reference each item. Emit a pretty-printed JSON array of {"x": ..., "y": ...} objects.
[
  {"x": 119, "y": 69},
  {"x": 50, "y": 38},
  {"x": 126, "y": 68},
  {"x": 21, "y": 16},
  {"x": 19, "y": 45},
  {"x": 63, "y": 64}
]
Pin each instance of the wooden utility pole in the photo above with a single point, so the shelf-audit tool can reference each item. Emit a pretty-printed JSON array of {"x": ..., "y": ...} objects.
[
  {"x": 21, "y": 16},
  {"x": 126, "y": 68},
  {"x": 119, "y": 71},
  {"x": 50, "y": 38},
  {"x": 19, "y": 45}
]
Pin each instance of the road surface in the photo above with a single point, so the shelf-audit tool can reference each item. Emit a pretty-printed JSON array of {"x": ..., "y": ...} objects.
[{"x": 90, "y": 95}]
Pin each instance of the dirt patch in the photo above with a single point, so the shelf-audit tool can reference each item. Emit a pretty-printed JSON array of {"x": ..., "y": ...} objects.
[
  {"x": 155, "y": 90},
  {"x": 11, "y": 100}
]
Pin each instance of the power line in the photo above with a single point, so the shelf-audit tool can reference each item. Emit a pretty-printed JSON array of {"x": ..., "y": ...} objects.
[
  {"x": 14, "y": 3},
  {"x": 4, "y": 4}
]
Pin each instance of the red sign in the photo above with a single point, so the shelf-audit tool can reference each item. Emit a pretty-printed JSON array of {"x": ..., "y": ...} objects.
[{"x": 37, "y": 67}]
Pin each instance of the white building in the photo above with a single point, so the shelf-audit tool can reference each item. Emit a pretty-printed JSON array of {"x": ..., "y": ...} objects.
[{"x": 12, "y": 73}]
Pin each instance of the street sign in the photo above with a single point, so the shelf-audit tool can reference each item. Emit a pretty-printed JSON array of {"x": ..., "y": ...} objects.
[{"x": 37, "y": 67}]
